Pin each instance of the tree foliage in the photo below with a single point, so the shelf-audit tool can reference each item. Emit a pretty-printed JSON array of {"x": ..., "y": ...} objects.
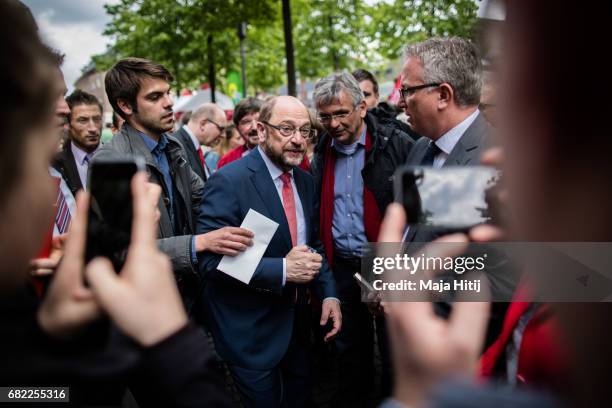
[
  {"x": 328, "y": 35},
  {"x": 398, "y": 23}
]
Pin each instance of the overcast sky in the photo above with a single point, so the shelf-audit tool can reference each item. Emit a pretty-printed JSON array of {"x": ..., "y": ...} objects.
[{"x": 75, "y": 28}]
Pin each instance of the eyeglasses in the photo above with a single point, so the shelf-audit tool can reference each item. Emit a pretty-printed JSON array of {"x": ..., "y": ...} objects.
[
  {"x": 326, "y": 119},
  {"x": 411, "y": 90},
  {"x": 288, "y": 130},
  {"x": 221, "y": 128}
]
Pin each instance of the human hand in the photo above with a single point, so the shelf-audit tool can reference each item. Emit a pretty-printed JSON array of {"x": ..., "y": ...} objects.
[
  {"x": 426, "y": 347},
  {"x": 142, "y": 299},
  {"x": 486, "y": 232},
  {"x": 47, "y": 266},
  {"x": 69, "y": 305},
  {"x": 331, "y": 309},
  {"x": 302, "y": 266},
  {"x": 225, "y": 241}
]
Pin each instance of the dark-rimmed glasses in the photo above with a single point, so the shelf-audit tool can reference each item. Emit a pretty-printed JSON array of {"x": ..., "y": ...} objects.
[
  {"x": 221, "y": 128},
  {"x": 328, "y": 118},
  {"x": 410, "y": 90},
  {"x": 288, "y": 130}
]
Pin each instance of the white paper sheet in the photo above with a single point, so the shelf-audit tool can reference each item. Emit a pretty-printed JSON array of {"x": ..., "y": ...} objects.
[{"x": 242, "y": 266}]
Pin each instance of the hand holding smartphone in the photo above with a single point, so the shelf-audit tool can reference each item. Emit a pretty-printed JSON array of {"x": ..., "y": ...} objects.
[
  {"x": 110, "y": 214},
  {"x": 449, "y": 198}
]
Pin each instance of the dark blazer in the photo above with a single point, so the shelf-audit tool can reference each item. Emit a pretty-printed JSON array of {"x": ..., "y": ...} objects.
[
  {"x": 64, "y": 163},
  {"x": 252, "y": 324},
  {"x": 467, "y": 151},
  {"x": 474, "y": 141},
  {"x": 192, "y": 154}
]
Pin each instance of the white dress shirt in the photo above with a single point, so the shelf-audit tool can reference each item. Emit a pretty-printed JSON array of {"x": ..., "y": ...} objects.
[
  {"x": 198, "y": 146},
  {"x": 194, "y": 140},
  {"x": 449, "y": 140},
  {"x": 275, "y": 173},
  {"x": 447, "y": 143}
]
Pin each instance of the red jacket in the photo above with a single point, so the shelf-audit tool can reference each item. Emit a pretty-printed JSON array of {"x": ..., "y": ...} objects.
[
  {"x": 236, "y": 154},
  {"x": 540, "y": 360}
]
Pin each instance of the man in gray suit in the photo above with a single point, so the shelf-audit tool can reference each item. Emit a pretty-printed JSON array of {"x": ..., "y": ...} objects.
[{"x": 440, "y": 92}]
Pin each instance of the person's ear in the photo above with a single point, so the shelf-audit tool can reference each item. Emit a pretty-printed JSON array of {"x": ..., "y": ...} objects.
[
  {"x": 203, "y": 123},
  {"x": 445, "y": 95},
  {"x": 363, "y": 108},
  {"x": 125, "y": 107},
  {"x": 261, "y": 132}
]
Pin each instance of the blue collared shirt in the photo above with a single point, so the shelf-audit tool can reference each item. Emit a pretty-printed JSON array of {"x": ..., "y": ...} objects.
[
  {"x": 159, "y": 155},
  {"x": 158, "y": 151},
  {"x": 347, "y": 227}
]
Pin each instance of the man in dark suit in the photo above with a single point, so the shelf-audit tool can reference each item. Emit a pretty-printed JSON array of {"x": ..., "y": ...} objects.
[
  {"x": 441, "y": 83},
  {"x": 84, "y": 130},
  {"x": 204, "y": 128},
  {"x": 440, "y": 92},
  {"x": 260, "y": 329},
  {"x": 441, "y": 86}
]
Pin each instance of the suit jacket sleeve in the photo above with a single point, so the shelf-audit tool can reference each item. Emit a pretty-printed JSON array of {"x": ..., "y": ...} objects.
[
  {"x": 324, "y": 284},
  {"x": 178, "y": 250},
  {"x": 221, "y": 208}
]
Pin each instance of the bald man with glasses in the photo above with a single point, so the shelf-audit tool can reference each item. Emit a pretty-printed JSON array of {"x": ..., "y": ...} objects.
[{"x": 262, "y": 328}]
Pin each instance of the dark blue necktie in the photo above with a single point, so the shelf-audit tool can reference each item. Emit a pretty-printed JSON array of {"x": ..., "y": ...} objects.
[{"x": 431, "y": 152}]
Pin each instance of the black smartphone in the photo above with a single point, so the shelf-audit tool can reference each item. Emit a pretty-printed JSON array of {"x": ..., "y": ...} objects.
[
  {"x": 109, "y": 225},
  {"x": 449, "y": 198}
]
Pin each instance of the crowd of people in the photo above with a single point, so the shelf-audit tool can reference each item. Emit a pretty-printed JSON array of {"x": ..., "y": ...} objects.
[{"x": 171, "y": 329}]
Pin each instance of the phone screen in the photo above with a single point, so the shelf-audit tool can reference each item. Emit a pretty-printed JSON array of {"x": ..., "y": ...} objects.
[
  {"x": 449, "y": 197},
  {"x": 110, "y": 212}
]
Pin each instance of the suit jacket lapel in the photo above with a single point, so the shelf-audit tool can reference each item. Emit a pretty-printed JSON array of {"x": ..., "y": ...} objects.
[
  {"x": 191, "y": 150},
  {"x": 71, "y": 168},
  {"x": 418, "y": 152},
  {"x": 269, "y": 195},
  {"x": 470, "y": 140},
  {"x": 138, "y": 147}
]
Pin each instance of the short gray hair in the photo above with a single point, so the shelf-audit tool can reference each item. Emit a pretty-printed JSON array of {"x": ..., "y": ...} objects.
[
  {"x": 327, "y": 90},
  {"x": 452, "y": 60},
  {"x": 206, "y": 111}
]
